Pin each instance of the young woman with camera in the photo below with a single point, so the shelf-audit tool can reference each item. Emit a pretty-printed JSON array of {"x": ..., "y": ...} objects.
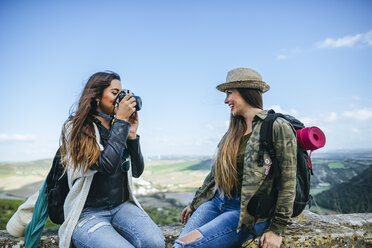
[
  {"x": 219, "y": 214},
  {"x": 101, "y": 152}
]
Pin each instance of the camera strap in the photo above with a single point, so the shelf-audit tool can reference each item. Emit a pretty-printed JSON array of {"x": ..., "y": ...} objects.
[{"x": 107, "y": 117}]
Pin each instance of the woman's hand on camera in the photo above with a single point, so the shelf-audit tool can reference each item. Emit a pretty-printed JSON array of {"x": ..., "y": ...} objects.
[
  {"x": 133, "y": 120},
  {"x": 186, "y": 213},
  {"x": 126, "y": 107}
]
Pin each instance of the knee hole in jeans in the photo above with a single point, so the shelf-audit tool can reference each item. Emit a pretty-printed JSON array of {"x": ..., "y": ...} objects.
[{"x": 191, "y": 237}]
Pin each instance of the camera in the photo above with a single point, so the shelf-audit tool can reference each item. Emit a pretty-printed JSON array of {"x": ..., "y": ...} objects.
[{"x": 123, "y": 93}]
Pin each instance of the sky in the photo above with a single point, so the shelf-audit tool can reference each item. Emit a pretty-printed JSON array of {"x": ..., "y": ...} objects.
[{"x": 315, "y": 55}]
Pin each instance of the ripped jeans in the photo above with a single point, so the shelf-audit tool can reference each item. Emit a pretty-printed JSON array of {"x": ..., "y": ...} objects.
[
  {"x": 125, "y": 225},
  {"x": 217, "y": 221}
]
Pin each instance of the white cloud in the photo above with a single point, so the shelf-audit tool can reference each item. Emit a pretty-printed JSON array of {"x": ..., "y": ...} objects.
[
  {"x": 331, "y": 117},
  {"x": 355, "y": 130},
  {"x": 217, "y": 126},
  {"x": 281, "y": 57},
  {"x": 347, "y": 41},
  {"x": 209, "y": 126},
  {"x": 287, "y": 53},
  {"x": 323, "y": 119},
  {"x": 293, "y": 112},
  {"x": 356, "y": 98},
  {"x": 308, "y": 121},
  {"x": 304, "y": 119},
  {"x": 352, "y": 105},
  {"x": 16, "y": 138},
  {"x": 278, "y": 109},
  {"x": 205, "y": 142},
  {"x": 227, "y": 123},
  {"x": 368, "y": 38},
  {"x": 360, "y": 115}
]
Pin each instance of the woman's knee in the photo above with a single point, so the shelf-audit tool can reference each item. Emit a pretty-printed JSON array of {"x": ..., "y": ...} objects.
[
  {"x": 153, "y": 240},
  {"x": 178, "y": 244},
  {"x": 188, "y": 239},
  {"x": 191, "y": 237}
]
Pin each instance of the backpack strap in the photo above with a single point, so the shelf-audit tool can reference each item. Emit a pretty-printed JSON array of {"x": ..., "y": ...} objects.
[
  {"x": 266, "y": 143},
  {"x": 264, "y": 136}
]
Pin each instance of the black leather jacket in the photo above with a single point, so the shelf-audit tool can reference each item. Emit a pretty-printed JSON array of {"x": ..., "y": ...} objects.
[{"x": 109, "y": 185}]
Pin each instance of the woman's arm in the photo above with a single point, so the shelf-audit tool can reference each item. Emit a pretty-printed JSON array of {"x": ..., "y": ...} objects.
[
  {"x": 110, "y": 158},
  {"x": 134, "y": 149},
  {"x": 286, "y": 151},
  {"x": 204, "y": 191}
]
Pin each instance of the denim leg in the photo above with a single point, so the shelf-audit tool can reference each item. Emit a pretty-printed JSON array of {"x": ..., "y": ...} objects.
[
  {"x": 137, "y": 227},
  {"x": 202, "y": 215},
  {"x": 221, "y": 232},
  {"x": 95, "y": 230}
]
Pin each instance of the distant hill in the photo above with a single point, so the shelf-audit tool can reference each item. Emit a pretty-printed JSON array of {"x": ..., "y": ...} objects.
[
  {"x": 354, "y": 154},
  {"x": 202, "y": 165},
  {"x": 334, "y": 171},
  {"x": 354, "y": 196},
  {"x": 25, "y": 168}
]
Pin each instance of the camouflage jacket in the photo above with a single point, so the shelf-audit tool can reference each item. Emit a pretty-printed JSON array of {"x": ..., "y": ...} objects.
[{"x": 255, "y": 181}]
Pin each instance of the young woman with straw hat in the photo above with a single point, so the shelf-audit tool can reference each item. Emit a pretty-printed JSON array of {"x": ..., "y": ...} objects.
[{"x": 219, "y": 216}]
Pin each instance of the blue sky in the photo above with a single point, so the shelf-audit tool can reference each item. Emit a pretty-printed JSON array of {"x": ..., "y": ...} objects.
[{"x": 315, "y": 55}]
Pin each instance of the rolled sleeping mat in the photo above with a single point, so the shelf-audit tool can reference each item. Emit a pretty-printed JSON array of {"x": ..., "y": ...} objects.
[{"x": 311, "y": 138}]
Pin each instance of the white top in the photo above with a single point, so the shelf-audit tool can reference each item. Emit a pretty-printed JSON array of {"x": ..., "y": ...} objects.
[{"x": 79, "y": 184}]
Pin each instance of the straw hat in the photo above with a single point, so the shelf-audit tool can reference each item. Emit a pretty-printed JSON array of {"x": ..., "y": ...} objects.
[{"x": 243, "y": 78}]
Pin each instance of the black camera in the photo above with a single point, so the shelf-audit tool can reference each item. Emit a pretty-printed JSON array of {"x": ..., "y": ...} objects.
[{"x": 123, "y": 93}]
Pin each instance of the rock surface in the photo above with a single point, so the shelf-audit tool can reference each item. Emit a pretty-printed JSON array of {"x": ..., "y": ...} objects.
[{"x": 307, "y": 230}]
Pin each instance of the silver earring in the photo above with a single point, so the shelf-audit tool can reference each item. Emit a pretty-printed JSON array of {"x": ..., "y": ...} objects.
[{"x": 97, "y": 103}]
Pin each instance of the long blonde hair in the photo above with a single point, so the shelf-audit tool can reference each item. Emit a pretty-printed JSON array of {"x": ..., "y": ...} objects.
[
  {"x": 226, "y": 171},
  {"x": 80, "y": 147}
]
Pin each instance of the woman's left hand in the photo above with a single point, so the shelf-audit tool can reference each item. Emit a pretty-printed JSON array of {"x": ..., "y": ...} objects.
[
  {"x": 133, "y": 120},
  {"x": 270, "y": 240}
]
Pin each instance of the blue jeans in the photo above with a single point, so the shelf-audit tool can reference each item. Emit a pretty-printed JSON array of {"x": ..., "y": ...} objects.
[
  {"x": 124, "y": 225},
  {"x": 217, "y": 221}
]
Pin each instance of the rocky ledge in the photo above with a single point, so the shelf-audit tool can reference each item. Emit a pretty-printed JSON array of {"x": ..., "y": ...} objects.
[{"x": 307, "y": 230}]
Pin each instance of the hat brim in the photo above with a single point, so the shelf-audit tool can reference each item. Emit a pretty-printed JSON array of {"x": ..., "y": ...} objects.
[{"x": 260, "y": 85}]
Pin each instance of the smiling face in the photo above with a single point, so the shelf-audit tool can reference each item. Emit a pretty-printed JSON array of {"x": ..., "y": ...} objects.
[
  {"x": 237, "y": 104},
  {"x": 106, "y": 103}
]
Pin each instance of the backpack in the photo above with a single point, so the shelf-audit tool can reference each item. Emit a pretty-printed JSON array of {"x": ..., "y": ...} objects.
[
  {"x": 263, "y": 206},
  {"x": 57, "y": 190}
]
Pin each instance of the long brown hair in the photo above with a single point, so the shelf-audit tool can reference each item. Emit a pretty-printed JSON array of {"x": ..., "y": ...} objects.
[
  {"x": 80, "y": 147},
  {"x": 226, "y": 171}
]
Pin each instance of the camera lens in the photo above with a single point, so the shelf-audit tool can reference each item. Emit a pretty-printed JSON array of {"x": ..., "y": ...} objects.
[
  {"x": 139, "y": 102},
  {"x": 123, "y": 93}
]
